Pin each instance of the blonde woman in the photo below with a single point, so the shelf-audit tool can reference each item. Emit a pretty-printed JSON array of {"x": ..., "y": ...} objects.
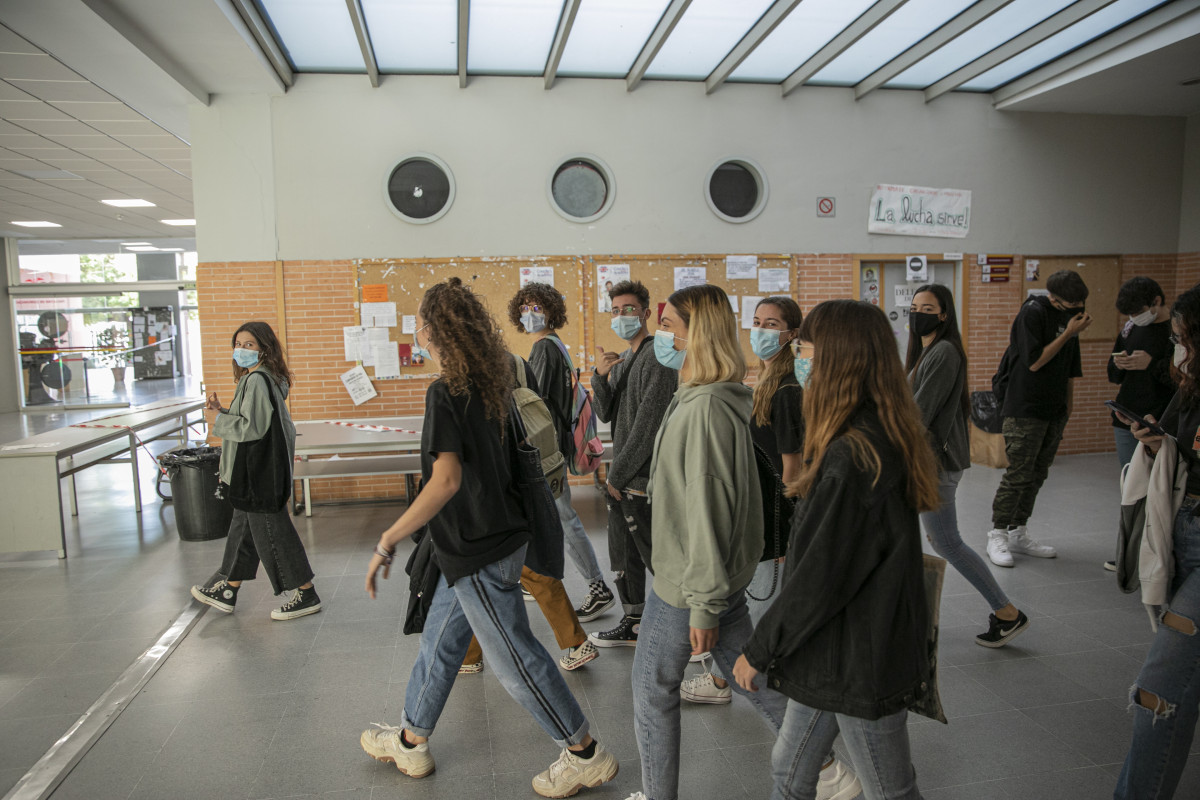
[{"x": 706, "y": 510}]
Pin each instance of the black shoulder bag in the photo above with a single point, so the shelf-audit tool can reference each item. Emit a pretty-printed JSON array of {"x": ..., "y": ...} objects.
[
  {"x": 777, "y": 516},
  {"x": 261, "y": 481},
  {"x": 545, "y": 553}
]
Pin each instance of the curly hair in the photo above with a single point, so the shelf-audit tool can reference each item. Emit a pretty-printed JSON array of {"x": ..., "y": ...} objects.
[
  {"x": 538, "y": 294},
  {"x": 271, "y": 353},
  {"x": 471, "y": 355},
  {"x": 1185, "y": 314}
]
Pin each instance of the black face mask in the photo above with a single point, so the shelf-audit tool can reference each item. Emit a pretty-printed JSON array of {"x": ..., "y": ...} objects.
[
  {"x": 1069, "y": 314},
  {"x": 923, "y": 324}
]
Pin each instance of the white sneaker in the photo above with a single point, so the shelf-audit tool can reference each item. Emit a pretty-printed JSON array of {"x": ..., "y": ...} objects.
[
  {"x": 576, "y": 657},
  {"x": 703, "y": 689},
  {"x": 1019, "y": 542},
  {"x": 699, "y": 659},
  {"x": 636, "y": 796},
  {"x": 385, "y": 745},
  {"x": 838, "y": 782},
  {"x": 570, "y": 773},
  {"x": 997, "y": 548}
]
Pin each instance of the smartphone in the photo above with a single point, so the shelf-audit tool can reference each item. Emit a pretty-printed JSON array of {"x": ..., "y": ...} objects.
[{"x": 1154, "y": 427}]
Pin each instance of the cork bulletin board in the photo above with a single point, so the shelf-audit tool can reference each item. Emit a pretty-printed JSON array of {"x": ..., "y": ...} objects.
[{"x": 1102, "y": 274}]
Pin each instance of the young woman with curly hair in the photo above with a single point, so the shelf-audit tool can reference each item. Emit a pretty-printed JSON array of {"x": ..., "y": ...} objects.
[
  {"x": 538, "y": 309},
  {"x": 480, "y": 535}
]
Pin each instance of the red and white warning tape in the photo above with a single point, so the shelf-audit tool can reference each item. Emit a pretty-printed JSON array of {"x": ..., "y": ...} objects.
[{"x": 373, "y": 428}]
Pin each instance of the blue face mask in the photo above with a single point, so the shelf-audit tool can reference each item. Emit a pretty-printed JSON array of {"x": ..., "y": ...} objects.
[
  {"x": 245, "y": 358},
  {"x": 626, "y": 327},
  {"x": 765, "y": 342},
  {"x": 665, "y": 352},
  {"x": 417, "y": 350},
  {"x": 802, "y": 368},
  {"x": 533, "y": 321}
]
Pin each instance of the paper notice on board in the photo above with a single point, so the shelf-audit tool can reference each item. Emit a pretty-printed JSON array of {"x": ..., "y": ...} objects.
[
  {"x": 162, "y": 358},
  {"x": 353, "y": 337},
  {"x": 733, "y": 301},
  {"x": 382, "y": 315},
  {"x": 358, "y": 385},
  {"x": 375, "y": 293},
  {"x": 690, "y": 276},
  {"x": 741, "y": 267},
  {"x": 749, "y": 303},
  {"x": 608, "y": 276},
  {"x": 773, "y": 281},
  {"x": 536, "y": 275},
  {"x": 374, "y": 336},
  {"x": 408, "y": 324},
  {"x": 387, "y": 360}
]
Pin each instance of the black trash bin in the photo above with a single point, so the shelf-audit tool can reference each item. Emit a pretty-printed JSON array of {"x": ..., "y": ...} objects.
[{"x": 199, "y": 514}]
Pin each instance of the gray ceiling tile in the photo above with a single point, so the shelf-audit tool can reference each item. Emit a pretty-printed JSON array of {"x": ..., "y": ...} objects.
[
  {"x": 12, "y": 43},
  {"x": 10, "y": 91},
  {"x": 40, "y": 67},
  {"x": 16, "y": 141},
  {"x": 132, "y": 127},
  {"x": 51, "y": 127},
  {"x": 66, "y": 92},
  {"x": 110, "y": 110},
  {"x": 87, "y": 140},
  {"x": 17, "y": 110}
]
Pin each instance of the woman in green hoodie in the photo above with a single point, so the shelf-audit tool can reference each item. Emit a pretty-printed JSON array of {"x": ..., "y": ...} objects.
[{"x": 706, "y": 509}]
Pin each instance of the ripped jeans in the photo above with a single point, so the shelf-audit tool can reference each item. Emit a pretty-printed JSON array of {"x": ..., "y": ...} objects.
[{"x": 1170, "y": 679}]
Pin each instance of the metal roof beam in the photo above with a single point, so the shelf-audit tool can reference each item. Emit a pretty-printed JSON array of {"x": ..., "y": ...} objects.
[
  {"x": 753, "y": 38},
  {"x": 658, "y": 38},
  {"x": 565, "y": 22},
  {"x": 464, "y": 29},
  {"x": 1043, "y": 30},
  {"x": 246, "y": 20},
  {"x": 359, "y": 21},
  {"x": 840, "y": 43},
  {"x": 968, "y": 19}
]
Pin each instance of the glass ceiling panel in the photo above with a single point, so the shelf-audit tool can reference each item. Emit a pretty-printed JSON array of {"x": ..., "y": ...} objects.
[
  {"x": 802, "y": 33},
  {"x": 608, "y": 35},
  {"x": 1012, "y": 20},
  {"x": 511, "y": 37},
  {"x": 413, "y": 35},
  {"x": 1103, "y": 21},
  {"x": 911, "y": 23},
  {"x": 708, "y": 31},
  {"x": 316, "y": 35}
]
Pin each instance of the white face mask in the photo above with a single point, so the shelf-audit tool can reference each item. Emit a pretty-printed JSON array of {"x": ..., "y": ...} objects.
[
  {"x": 1143, "y": 319},
  {"x": 1181, "y": 355}
]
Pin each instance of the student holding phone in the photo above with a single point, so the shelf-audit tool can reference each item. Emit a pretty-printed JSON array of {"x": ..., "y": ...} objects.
[{"x": 1141, "y": 360}]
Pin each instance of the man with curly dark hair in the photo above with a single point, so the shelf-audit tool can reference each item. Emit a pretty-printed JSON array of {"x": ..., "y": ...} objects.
[{"x": 539, "y": 310}]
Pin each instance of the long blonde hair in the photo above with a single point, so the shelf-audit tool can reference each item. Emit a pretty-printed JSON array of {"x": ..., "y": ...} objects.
[
  {"x": 713, "y": 351},
  {"x": 773, "y": 371},
  {"x": 856, "y": 360}
]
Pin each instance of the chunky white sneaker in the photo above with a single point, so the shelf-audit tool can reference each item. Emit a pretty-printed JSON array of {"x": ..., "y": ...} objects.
[
  {"x": 703, "y": 689},
  {"x": 1019, "y": 542},
  {"x": 576, "y": 657},
  {"x": 385, "y": 745},
  {"x": 570, "y": 773},
  {"x": 997, "y": 548},
  {"x": 838, "y": 782},
  {"x": 473, "y": 668},
  {"x": 636, "y": 796}
]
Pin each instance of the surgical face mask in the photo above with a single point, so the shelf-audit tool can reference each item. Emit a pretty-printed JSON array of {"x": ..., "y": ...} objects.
[
  {"x": 533, "y": 321},
  {"x": 245, "y": 358},
  {"x": 626, "y": 327},
  {"x": 417, "y": 350},
  {"x": 802, "y": 369},
  {"x": 1143, "y": 319},
  {"x": 665, "y": 352},
  {"x": 1181, "y": 355},
  {"x": 765, "y": 342},
  {"x": 923, "y": 324}
]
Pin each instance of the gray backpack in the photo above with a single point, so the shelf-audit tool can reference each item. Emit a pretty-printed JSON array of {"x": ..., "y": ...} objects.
[{"x": 539, "y": 428}]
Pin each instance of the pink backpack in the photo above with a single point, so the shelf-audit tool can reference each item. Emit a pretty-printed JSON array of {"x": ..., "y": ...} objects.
[{"x": 586, "y": 447}]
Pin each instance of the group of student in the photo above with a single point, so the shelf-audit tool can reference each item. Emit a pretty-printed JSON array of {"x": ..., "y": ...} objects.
[{"x": 831, "y": 641}]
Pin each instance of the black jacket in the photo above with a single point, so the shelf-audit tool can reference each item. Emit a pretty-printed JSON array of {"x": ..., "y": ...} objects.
[{"x": 847, "y": 633}]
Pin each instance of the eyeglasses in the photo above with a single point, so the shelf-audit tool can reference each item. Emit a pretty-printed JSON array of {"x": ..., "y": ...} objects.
[
  {"x": 535, "y": 309},
  {"x": 626, "y": 311}
]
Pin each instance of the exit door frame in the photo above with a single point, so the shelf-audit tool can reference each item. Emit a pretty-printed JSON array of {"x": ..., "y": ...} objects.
[{"x": 963, "y": 298}]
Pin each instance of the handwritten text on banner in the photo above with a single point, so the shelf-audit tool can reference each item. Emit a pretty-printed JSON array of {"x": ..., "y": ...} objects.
[{"x": 919, "y": 211}]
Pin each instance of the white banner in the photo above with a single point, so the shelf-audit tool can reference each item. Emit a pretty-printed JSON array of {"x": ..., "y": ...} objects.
[{"x": 919, "y": 211}]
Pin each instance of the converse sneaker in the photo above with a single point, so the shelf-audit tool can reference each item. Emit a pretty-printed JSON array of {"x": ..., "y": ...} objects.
[
  {"x": 1000, "y": 632},
  {"x": 218, "y": 594},
  {"x": 570, "y": 773},
  {"x": 1111, "y": 566},
  {"x": 471, "y": 669},
  {"x": 838, "y": 782},
  {"x": 624, "y": 635},
  {"x": 386, "y": 744},
  {"x": 699, "y": 658},
  {"x": 636, "y": 796},
  {"x": 997, "y": 548},
  {"x": 526, "y": 596},
  {"x": 599, "y": 599},
  {"x": 1019, "y": 542},
  {"x": 303, "y": 603},
  {"x": 576, "y": 657},
  {"x": 703, "y": 689}
]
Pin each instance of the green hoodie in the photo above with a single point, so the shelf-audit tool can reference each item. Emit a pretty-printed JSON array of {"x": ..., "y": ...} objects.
[{"x": 705, "y": 501}]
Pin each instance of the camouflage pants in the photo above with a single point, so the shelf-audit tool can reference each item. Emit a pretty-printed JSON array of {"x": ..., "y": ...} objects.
[{"x": 1030, "y": 445}]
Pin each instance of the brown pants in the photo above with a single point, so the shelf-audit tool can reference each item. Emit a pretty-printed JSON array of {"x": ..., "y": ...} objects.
[{"x": 556, "y": 606}]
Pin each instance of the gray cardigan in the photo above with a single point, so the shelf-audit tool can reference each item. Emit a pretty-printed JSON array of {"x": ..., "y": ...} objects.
[
  {"x": 249, "y": 418},
  {"x": 937, "y": 384}
]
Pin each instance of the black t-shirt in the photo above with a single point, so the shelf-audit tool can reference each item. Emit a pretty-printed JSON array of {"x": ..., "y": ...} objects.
[
  {"x": 785, "y": 434},
  {"x": 1146, "y": 391},
  {"x": 1182, "y": 420},
  {"x": 554, "y": 385},
  {"x": 483, "y": 522},
  {"x": 1041, "y": 394}
]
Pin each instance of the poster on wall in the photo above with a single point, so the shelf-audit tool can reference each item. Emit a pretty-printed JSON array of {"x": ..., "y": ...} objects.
[
  {"x": 608, "y": 276},
  {"x": 919, "y": 211},
  {"x": 690, "y": 276},
  {"x": 741, "y": 268},
  {"x": 774, "y": 281},
  {"x": 537, "y": 275},
  {"x": 358, "y": 385}
]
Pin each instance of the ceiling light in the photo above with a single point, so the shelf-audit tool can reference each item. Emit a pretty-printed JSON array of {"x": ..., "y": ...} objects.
[
  {"x": 37, "y": 224},
  {"x": 170, "y": 249},
  {"x": 178, "y": 222},
  {"x": 146, "y": 249},
  {"x": 128, "y": 203},
  {"x": 135, "y": 244}
]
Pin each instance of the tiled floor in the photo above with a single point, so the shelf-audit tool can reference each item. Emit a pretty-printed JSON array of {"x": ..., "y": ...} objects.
[{"x": 251, "y": 708}]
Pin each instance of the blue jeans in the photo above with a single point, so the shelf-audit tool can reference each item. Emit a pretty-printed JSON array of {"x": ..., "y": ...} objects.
[
  {"x": 878, "y": 750},
  {"x": 941, "y": 526},
  {"x": 659, "y": 663},
  {"x": 1162, "y": 738},
  {"x": 1126, "y": 444},
  {"x": 489, "y": 602},
  {"x": 579, "y": 546}
]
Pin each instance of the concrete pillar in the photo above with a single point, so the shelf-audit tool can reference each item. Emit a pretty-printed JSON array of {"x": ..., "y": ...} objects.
[{"x": 10, "y": 382}]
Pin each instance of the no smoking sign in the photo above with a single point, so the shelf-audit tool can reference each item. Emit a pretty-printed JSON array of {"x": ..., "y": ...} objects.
[{"x": 826, "y": 207}]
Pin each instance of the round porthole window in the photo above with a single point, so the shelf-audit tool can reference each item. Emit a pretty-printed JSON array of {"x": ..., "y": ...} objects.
[
  {"x": 420, "y": 188},
  {"x": 736, "y": 190},
  {"x": 582, "y": 188}
]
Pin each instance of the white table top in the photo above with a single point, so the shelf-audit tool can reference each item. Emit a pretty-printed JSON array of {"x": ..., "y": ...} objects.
[
  {"x": 75, "y": 438},
  {"x": 323, "y": 437}
]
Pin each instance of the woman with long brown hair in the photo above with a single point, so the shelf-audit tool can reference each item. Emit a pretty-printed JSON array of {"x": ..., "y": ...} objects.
[
  {"x": 480, "y": 534},
  {"x": 845, "y": 640}
]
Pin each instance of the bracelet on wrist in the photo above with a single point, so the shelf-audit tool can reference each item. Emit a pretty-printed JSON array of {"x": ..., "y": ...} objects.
[{"x": 386, "y": 554}]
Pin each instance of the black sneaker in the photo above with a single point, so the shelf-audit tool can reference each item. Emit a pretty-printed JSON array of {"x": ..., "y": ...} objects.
[
  {"x": 1000, "y": 632},
  {"x": 624, "y": 635},
  {"x": 303, "y": 603},
  {"x": 218, "y": 594},
  {"x": 599, "y": 599}
]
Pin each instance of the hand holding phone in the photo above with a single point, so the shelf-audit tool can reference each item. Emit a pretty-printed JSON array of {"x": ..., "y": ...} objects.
[{"x": 1132, "y": 417}]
